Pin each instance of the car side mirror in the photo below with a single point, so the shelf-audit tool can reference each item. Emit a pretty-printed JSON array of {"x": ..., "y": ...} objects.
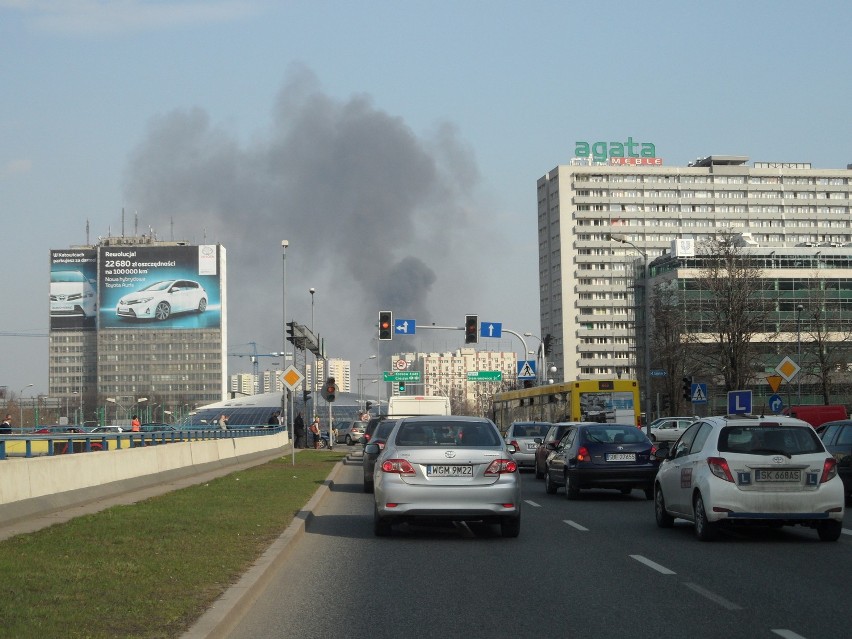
[{"x": 371, "y": 449}]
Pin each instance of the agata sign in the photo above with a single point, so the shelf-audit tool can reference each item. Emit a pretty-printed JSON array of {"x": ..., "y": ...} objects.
[{"x": 600, "y": 151}]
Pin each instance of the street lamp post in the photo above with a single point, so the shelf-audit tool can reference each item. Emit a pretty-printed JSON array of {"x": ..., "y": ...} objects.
[
  {"x": 287, "y": 420},
  {"x": 799, "y": 310},
  {"x": 360, "y": 381},
  {"x": 21, "y": 402},
  {"x": 113, "y": 400},
  {"x": 539, "y": 358},
  {"x": 315, "y": 370},
  {"x": 617, "y": 237}
]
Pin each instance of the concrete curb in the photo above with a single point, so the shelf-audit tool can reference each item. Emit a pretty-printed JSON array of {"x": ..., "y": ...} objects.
[{"x": 227, "y": 611}]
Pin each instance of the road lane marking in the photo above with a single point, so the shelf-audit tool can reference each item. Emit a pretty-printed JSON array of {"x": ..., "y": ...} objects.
[
  {"x": 652, "y": 564},
  {"x": 575, "y": 525},
  {"x": 787, "y": 634},
  {"x": 532, "y": 503},
  {"x": 846, "y": 531},
  {"x": 730, "y": 605}
]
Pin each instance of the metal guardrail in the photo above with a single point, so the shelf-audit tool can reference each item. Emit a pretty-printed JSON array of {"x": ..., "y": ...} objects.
[{"x": 69, "y": 443}]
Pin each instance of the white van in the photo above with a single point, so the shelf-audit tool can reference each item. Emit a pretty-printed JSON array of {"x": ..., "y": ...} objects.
[{"x": 405, "y": 405}]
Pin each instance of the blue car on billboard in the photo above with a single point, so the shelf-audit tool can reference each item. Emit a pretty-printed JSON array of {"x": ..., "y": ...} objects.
[{"x": 161, "y": 300}]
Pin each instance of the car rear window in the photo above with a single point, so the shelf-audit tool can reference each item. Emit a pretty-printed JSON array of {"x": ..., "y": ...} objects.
[
  {"x": 383, "y": 430},
  {"x": 530, "y": 430},
  {"x": 614, "y": 434},
  {"x": 766, "y": 440},
  {"x": 438, "y": 433}
]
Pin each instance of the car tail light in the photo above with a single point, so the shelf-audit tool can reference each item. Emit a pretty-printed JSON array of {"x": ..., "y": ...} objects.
[
  {"x": 719, "y": 467},
  {"x": 653, "y": 450},
  {"x": 583, "y": 454},
  {"x": 515, "y": 443},
  {"x": 398, "y": 466},
  {"x": 500, "y": 466},
  {"x": 366, "y": 437},
  {"x": 829, "y": 470}
]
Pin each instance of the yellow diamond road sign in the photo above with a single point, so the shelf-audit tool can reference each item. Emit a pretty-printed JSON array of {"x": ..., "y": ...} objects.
[
  {"x": 787, "y": 369},
  {"x": 292, "y": 377}
]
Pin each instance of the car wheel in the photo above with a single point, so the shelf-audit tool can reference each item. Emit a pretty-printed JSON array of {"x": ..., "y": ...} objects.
[
  {"x": 381, "y": 527},
  {"x": 705, "y": 530},
  {"x": 829, "y": 530},
  {"x": 348, "y": 440},
  {"x": 510, "y": 526},
  {"x": 162, "y": 311},
  {"x": 549, "y": 486},
  {"x": 202, "y": 305},
  {"x": 664, "y": 519},
  {"x": 572, "y": 490}
]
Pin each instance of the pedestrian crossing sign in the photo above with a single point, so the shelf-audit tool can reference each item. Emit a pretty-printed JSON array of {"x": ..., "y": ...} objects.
[
  {"x": 699, "y": 393},
  {"x": 526, "y": 369}
]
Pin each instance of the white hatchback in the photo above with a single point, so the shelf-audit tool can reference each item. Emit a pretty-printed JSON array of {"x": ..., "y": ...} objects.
[{"x": 743, "y": 469}]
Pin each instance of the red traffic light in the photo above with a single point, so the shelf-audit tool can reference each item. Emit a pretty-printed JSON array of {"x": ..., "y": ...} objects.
[
  {"x": 385, "y": 325},
  {"x": 471, "y": 329}
]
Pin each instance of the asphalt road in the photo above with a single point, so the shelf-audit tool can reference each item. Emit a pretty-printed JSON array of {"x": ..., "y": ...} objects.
[{"x": 596, "y": 567}]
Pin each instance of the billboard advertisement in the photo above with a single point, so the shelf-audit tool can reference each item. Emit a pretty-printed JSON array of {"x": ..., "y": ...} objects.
[
  {"x": 160, "y": 286},
  {"x": 73, "y": 289}
]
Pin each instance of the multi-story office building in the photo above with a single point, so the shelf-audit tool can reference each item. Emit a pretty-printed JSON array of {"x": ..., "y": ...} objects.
[
  {"x": 137, "y": 325},
  {"x": 586, "y": 279}
]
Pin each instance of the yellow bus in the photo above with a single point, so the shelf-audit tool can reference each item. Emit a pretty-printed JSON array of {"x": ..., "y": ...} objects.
[{"x": 614, "y": 401}]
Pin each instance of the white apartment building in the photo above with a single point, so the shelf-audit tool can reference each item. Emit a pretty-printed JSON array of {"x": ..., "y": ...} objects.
[
  {"x": 446, "y": 374},
  {"x": 586, "y": 279},
  {"x": 339, "y": 369}
]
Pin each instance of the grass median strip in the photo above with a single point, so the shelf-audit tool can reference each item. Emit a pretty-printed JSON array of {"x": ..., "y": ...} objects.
[{"x": 152, "y": 568}]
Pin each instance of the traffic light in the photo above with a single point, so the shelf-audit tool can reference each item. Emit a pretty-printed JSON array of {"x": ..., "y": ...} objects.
[
  {"x": 401, "y": 387},
  {"x": 306, "y": 396},
  {"x": 290, "y": 331},
  {"x": 687, "y": 388},
  {"x": 368, "y": 406},
  {"x": 385, "y": 325},
  {"x": 330, "y": 389},
  {"x": 471, "y": 329}
]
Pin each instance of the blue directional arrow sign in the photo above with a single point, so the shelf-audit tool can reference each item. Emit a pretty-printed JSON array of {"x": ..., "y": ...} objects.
[
  {"x": 526, "y": 369},
  {"x": 404, "y": 326},
  {"x": 776, "y": 404},
  {"x": 490, "y": 329}
]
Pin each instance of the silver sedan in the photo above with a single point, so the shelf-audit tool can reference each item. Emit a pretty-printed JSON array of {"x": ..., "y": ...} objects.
[{"x": 446, "y": 468}]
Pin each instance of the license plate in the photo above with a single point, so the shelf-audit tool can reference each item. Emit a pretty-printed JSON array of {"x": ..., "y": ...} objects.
[
  {"x": 448, "y": 471},
  {"x": 532, "y": 446},
  {"x": 63, "y": 307},
  {"x": 777, "y": 475},
  {"x": 621, "y": 457}
]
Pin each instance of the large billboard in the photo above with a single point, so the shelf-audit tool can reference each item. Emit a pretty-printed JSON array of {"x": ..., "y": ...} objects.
[
  {"x": 160, "y": 287},
  {"x": 73, "y": 289}
]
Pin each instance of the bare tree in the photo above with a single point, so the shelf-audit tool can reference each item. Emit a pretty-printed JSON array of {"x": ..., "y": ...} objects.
[
  {"x": 667, "y": 338},
  {"x": 734, "y": 305},
  {"x": 825, "y": 337}
]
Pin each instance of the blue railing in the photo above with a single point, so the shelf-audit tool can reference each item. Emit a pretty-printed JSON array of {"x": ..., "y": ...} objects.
[{"x": 69, "y": 443}]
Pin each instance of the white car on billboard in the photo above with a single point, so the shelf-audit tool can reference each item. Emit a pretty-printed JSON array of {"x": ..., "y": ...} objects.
[
  {"x": 72, "y": 294},
  {"x": 162, "y": 299}
]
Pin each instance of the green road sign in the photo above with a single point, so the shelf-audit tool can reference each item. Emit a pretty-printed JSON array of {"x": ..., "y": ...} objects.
[
  {"x": 485, "y": 376},
  {"x": 402, "y": 376}
]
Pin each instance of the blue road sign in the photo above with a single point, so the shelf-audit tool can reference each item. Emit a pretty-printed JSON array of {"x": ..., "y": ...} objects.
[
  {"x": 526, "y": 369},
  {"x": 658, "y": 372},
  {"x": 699, "y": 393},
  {"x": 404, "y": 326},
  {"x": 776, "y": 404},
  {"x": 739, "y": 402},
  {"x": 490, "y": 329}
]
